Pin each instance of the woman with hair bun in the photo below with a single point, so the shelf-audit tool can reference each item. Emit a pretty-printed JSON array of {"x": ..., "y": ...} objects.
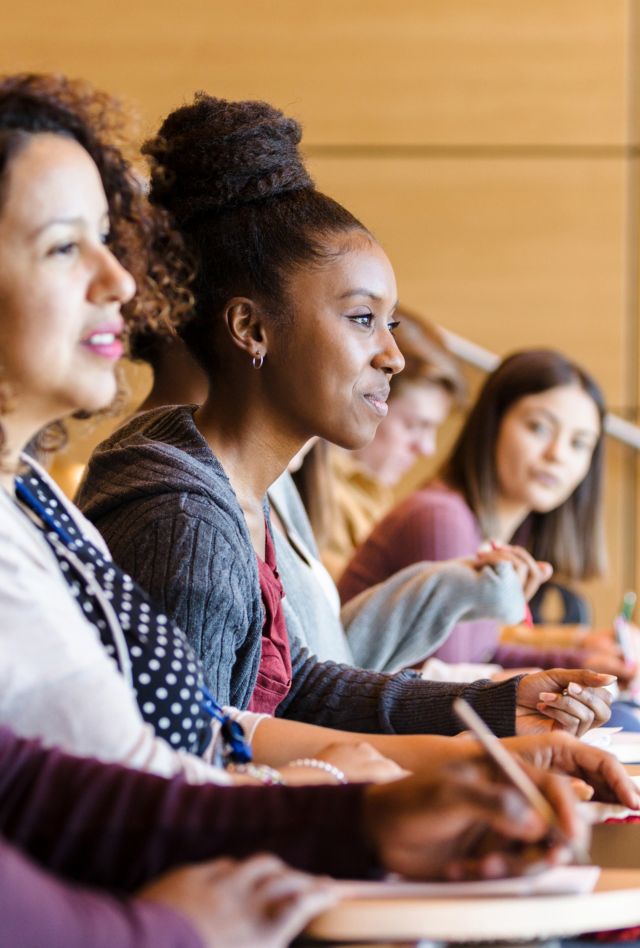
[{"x": 293, "y": 325}]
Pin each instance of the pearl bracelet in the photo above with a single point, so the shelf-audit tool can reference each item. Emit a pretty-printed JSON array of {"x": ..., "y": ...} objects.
[
  {"x": 262, "y": 772},
  {"x": 328, "y": 768}
]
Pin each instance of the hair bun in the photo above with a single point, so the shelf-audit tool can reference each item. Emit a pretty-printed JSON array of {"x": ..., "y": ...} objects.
[{"x": 219, "y": 154}]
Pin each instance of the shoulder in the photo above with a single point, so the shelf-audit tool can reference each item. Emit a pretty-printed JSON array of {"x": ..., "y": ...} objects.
[{"x": 435, "y": 500}]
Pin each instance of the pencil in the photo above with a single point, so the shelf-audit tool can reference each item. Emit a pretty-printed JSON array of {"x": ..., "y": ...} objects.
[{"x": 513, "y": 771}]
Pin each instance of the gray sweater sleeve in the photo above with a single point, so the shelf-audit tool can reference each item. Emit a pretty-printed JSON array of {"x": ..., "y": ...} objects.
[
  {"x": 404, "y": 619},
  {"x": 189, "y": 567},
  {"x": 354, "y": 699}
]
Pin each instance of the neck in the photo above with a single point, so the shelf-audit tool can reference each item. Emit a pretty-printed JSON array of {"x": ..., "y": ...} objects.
[
  {"x": 18, "y": 432},
  {"x": 252, "y": 446},
  {"x": 507, "y": 517},
  {"x": 177, "y": 379},
  {"x": 363, "y": 458}
]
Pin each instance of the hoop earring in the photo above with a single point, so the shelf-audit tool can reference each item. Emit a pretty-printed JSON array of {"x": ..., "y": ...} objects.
[{"x": 257, "y": 361}]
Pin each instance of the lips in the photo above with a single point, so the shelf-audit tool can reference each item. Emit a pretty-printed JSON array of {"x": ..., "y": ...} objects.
[
  {"x": 546, "y": 479},
  {"x": 105, "y": 340},
  {"x": 378, "y": 400}
]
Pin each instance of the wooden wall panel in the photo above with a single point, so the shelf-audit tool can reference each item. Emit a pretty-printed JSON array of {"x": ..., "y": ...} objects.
[
  {"x": 509, "y": 253},
  {"x": 548, "y": 72}
]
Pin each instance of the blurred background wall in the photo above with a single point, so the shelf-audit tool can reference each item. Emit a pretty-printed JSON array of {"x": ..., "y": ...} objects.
[{"x": 492, "y": 145}]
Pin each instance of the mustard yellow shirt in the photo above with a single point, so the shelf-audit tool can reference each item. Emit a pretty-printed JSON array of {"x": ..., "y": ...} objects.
[{"x": 360, "y": 500}]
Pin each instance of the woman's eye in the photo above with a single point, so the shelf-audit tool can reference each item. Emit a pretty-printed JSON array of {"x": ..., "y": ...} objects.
[
  {"x": 105, "y": 238},
  {"x": 363, "y": 319},
  {"x": 63, "y": 250},
  {"x": 393, "y": 325},
  {"x": 580, "y": 445},
  {"x": 538, "y": 427}
]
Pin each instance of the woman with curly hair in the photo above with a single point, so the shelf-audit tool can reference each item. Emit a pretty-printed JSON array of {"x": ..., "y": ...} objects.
[
  {"x": 76, "y": 236},
  {"x": 293, "y": 325}
]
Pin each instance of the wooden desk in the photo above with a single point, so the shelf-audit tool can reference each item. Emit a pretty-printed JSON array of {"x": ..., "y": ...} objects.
[{"x": 614, "y": 904}]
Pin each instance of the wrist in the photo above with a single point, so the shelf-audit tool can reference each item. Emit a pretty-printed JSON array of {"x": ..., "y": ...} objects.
[
  {"x": 324, "y": 766},
  {"x": 256, "y": 773}
]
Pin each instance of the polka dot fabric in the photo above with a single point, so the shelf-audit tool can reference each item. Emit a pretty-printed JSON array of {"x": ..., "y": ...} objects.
[{"x": 166, "y": 676}]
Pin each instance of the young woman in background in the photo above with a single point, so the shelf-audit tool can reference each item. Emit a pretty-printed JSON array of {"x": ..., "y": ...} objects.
[{"x": 526, "y": 468}]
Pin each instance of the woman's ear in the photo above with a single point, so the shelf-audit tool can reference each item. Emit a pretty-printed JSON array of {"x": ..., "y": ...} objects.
[{"x": 246, "y": 326}]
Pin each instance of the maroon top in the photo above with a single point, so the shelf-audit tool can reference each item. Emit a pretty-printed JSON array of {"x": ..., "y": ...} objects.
[
  {"x": 274, "y": 673},
  {"x": 106, "y": 826},
  {"x": 436, "y": 524}
]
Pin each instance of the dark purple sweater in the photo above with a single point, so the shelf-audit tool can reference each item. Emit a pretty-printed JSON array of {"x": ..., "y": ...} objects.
[
  {"x": 38, "y": 910},
  {"x": 106, "y": 826}
]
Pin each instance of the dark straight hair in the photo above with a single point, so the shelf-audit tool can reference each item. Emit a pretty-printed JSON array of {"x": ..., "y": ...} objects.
[{"x": 571, "y": 537}]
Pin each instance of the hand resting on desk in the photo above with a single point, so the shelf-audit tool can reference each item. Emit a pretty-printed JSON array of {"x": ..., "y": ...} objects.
[{"x": 466, "y": 822}]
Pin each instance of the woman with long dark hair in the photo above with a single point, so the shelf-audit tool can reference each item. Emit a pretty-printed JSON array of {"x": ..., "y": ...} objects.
[{"x": 526, "y": 468}]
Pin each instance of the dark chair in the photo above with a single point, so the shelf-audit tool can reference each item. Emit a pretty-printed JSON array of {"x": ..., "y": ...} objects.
[{"x": 568, "y": 606}]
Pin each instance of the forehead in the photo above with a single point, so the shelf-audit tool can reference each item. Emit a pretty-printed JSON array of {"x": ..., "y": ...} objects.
[
  {"x": 51, "y": 176},
  {"x": 568, "y": 404},
  {"x": 354, "y": 261}
]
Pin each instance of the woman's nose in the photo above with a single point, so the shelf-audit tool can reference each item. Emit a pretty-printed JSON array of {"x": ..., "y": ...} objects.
[
  {"x": 388, "y": 357},
  {"x": 112, "y": 282}
]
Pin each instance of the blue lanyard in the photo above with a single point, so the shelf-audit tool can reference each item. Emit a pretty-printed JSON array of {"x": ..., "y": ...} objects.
[
  {"x": 236, "y": 749},
  {"x": 27, "y": 497}
]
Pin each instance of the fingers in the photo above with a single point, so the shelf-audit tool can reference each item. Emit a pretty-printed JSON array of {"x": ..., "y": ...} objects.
[
  {"x": 284, "y": 897},
  {"x": 578, "y": 709},
  {"x": 601, "y": 770},
  {"x": 501, "y": 864},
  {"x": 296, "y": 914},
  {"x": 569, "y": 697},
  {"x": 290, "y": 899},
  {"x": 482, "y": 796},
  {"x": 531, "y": 572}
]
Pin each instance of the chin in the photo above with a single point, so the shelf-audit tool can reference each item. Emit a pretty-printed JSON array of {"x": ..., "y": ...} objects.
[
  {"x": 100, "y": 398},
  {"x": 354, "y": 440},
  {"x": 546, "y": 504}
]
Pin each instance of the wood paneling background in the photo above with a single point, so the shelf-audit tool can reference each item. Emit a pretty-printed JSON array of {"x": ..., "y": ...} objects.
[{"x": 491, "y": 146}]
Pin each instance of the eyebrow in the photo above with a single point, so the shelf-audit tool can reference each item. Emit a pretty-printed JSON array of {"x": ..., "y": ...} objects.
[
  {"x": 69, "y": 221},
  {"x": 362, "y": 291},
  {"x": 57, "y": 220}
]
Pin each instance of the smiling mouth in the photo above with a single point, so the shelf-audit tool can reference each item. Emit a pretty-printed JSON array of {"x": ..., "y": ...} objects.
[
  {"x": 378, "y": 402},
  {"x": 105, "y": 343}
]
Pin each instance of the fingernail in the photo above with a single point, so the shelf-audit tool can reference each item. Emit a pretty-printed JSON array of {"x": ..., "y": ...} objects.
[
  {"x": 574, "y": 688},
  {"x": 548, "y": 696}
]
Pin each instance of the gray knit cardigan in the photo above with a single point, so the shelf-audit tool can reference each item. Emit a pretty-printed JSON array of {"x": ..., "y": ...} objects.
[{"x": 167, "y": 510}]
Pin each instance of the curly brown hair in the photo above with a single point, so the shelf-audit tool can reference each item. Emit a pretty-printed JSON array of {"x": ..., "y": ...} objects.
[{"x": 140, "y": 235}]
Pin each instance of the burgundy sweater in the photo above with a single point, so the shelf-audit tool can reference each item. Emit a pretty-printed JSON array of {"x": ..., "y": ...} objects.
[
  {"x": 102, "y": 824},
  {"x": 106, "y": 826}
]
